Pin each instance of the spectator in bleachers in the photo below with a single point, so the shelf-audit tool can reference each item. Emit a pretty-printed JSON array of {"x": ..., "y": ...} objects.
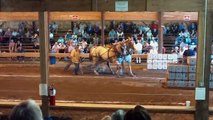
[
  {"x": 61, "y": 47},
  {"x": 60, "y": 40},
  {"x": 71, "y": 46},
  {"x": 175, "y": 50},
  {"x": 181, "y": 27},
  {"x": 27, "y": 110},
  {"x": 89, "y": 29},
  {"x": 188, "y": 40},
  {"x": 135, "y": 33},
  {"x": 194, "y": 39},
  {"x": 154, "y": 46},
  {"x": 68, "y": 36},
  {"x": 166, "y": 30},
  {"x": 120, "y": 35},
  {"x": 35, "y": 40},
  {"x": 188, "y": 53},
  {"x": 7, "y": 35},
  {"x": 96, "y": 40},
  {"x": 146, "y": 28},
  {"x": 83, "y": 46},
  {"x": 118, "y": 115},
  {"x": 79, "y": 37},
  {"x": 20, "y": 49},
  {"x": 140, "y": 36},
  {"x": 15, "y": 34},
  {"x": 186, "y": 33},
  {"x": 174, "y": 29},
  {"x": 75, "y": 38},
  {"x": 146, "y": 47},
  {"x": 149, "y": 35},
  {"x": 155, "y": 34},
  {"x": 97, "y": 29},
  {"x": 11, "y": 46},
  {"x": 21, "y": 35},
  {"x": 18, "y": 44},
  {"x": 28, "y": 35},
  {"x": 154, "y": 26},
  {"x": 86, "y": 36},
  {"x": 137, "y": 113},
  {"x": 22, "y": 26},
  {"x": 112, "y": 36},
  {"x": 54, "y": 27},
  {"x": 55, "y": 48},
  {"x": 75, "y": 28},
  {"x": 51, "y": 37},
  {"x": 192, "y": 28},
  {"x": 82, "y": 27}
]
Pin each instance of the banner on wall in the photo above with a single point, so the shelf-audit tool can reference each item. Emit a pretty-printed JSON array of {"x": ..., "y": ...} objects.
[{"x": 121, "y": 6}]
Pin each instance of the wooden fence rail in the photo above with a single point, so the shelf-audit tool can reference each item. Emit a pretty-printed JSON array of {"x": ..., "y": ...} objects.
[{"x": 33, "y": 54}]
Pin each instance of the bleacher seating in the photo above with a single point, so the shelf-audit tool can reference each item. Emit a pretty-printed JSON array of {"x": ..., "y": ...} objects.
[{"x": 28, "y": 47}]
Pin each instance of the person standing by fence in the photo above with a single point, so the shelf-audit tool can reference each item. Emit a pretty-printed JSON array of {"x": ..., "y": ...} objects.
[{"x": 75, "y": 58}]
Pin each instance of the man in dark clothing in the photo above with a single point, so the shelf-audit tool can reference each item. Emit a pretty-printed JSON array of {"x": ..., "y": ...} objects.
[{"x": 187, "y": 53}]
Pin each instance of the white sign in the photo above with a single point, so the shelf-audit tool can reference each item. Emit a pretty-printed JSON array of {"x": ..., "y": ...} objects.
[
  {"x": 187, "y": 18},
  {"x": 121, "y": 6},
  {"x": 200, "y": 93},
  {"x": 43, "y": 90}
]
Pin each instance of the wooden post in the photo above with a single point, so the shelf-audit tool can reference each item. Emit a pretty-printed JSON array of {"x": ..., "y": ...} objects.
[
  {"x": 44, "y": 69},
  {"x": 102, "y": 28},
  {"x": 203, "y": 61},
  {"x": 160, "y": 32}
]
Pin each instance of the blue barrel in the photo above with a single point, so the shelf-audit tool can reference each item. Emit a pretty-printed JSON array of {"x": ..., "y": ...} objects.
[{"x": 52, "y": 59}]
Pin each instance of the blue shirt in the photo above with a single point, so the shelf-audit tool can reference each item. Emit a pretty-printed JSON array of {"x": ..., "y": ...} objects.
[{"x": 188, "y": 52}]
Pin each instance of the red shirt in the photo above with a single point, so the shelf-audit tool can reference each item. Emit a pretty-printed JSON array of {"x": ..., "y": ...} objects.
[{"x": 154, "y": 26}]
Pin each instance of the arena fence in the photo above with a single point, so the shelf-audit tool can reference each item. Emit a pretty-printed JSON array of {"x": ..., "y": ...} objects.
[
  {"x": 111, "y": 107},
  {"x": 33, "y": 54}
]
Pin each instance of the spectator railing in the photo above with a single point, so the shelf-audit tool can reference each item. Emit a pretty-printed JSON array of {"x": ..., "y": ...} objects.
[{"x": 34, "y": 54}]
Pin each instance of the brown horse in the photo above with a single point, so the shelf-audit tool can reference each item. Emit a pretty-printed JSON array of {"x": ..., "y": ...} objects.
[{"x": 100, "y": 54}]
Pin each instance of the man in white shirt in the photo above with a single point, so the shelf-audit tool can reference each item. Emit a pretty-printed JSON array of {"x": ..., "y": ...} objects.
[
  {"x": 138, "y": 47},
  {"x": 154, "y": 46}
]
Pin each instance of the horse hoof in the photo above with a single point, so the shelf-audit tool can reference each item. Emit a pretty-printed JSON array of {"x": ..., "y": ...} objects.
[
  {"x": 133, "y": 76},
  {"x": 118, "y": 76},
  {"x": 96, "y": 73}
]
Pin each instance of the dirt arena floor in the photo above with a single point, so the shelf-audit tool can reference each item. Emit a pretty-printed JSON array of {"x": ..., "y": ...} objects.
[{"x": 21, "y": 81}]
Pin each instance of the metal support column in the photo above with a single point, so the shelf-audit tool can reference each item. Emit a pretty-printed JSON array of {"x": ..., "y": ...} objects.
[{"x": 203, "y": 62}]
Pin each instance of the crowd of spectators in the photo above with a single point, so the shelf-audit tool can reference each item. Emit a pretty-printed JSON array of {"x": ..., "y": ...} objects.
[
  {"x": 29, "y": 110},
  {"x": 22, "y": 33},
  {"x": 88, "y": 34},
  {"x": 186, "y": 37}
]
